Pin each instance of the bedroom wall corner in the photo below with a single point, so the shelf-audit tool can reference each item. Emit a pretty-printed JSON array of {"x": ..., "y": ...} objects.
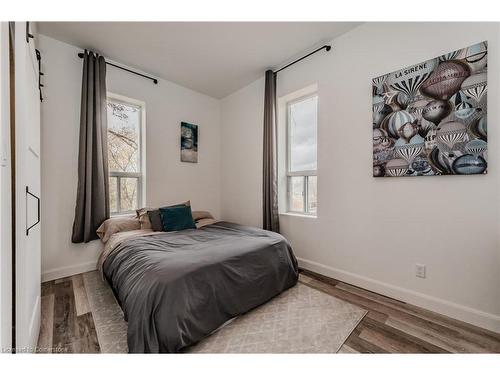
[
  {"x": 372, "y": 232},
  {"x": 167, "y": 179},
  {"x": 242, "y": 115}
]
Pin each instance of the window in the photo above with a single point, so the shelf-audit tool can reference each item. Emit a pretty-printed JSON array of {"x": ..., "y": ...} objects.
[
  {"x": 302, "y": 125},
  {"x": 125, "y": 154}
]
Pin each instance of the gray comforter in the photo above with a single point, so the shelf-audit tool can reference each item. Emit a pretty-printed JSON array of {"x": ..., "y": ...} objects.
[{"x": 176, "y": 288}]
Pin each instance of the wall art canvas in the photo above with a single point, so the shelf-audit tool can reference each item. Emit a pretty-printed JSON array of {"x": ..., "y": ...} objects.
[
  {"x": 431, "y": 118},
  {"x": 189, "y": 142}
]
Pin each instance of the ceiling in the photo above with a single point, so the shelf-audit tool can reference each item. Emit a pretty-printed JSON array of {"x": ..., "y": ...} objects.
[{"x": 214, "y": 58}]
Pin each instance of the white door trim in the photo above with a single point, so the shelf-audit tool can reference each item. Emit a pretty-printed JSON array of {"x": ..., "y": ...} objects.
[{"x": 5, "y": 196}]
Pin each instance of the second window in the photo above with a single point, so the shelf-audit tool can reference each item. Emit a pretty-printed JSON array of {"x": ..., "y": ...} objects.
[{"x": 302, "y": 127}]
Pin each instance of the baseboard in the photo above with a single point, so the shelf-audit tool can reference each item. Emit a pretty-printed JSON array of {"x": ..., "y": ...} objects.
[
  {"x": 453, "y": 310},
  {"x": 57, "y": 273},
  {"x": 448, "y": 308}
]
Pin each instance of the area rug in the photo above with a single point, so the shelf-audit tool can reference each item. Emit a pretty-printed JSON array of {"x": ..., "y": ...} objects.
[
  {"x": 110, "y": 326},
  {"x": 300, "y": 320}
]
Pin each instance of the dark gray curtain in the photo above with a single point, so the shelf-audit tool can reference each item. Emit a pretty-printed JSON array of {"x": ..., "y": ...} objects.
[
  {"x": 269, "y": 170},
  {"x": 92, "y": 206}
]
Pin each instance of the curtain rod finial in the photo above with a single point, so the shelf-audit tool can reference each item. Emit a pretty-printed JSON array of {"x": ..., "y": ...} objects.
[{"x": 328, "y": 48}]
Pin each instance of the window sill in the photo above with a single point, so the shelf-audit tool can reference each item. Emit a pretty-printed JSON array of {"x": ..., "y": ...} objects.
[
  {"x": 298, "y": 214},
  {"x": 122, "y": 214}
]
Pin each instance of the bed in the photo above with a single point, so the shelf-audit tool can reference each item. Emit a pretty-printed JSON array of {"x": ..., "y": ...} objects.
[{"x": 175, "y": 288}]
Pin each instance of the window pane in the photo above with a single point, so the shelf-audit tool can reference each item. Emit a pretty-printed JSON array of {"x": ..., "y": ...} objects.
[
  {"x": 312, "y": 194},
  {"x": 113, "y": 194},
  {"x": 303, "y": 120},
  {"x": 124, "y": 124},
  {"x": 296, "y": 193},
  {"x": 128, "y": 193}
]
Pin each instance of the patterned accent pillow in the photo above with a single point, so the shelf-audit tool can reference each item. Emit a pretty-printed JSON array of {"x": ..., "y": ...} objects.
[{"x": 142, "y": 214}]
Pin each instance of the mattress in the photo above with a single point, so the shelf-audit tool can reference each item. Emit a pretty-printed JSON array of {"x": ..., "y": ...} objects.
[{"x": 175, "y": 288}]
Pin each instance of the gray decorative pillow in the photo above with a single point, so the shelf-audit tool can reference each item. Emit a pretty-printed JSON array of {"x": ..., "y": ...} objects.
[{"x": 155, "y": 219}]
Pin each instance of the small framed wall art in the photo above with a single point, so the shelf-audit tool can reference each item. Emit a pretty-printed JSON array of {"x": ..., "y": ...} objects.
[{"x": 189, "y": 143}]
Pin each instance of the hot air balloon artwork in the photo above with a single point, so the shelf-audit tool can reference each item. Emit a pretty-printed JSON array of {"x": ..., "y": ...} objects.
[
  {"x": 380, "y": 110},
  {"x": 449, "y": 135},
  {"x": 417, "y": 107},
  {"x": 410, "y": 151},
  {"x": 476, "y": 56},
  {"x": 475, "y": 86},
  {"x": 378, "y": 84},
  {"x": 430, "y": 119},
  {"x": 463, "y": 109},
  {"x": 445, "y": 80},
  {"x": 451, "y": 56},
  {"x": 476, "y": 147}
]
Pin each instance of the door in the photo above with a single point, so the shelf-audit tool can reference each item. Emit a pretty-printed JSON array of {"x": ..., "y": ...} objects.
[
  {"x": 5, "y": 195},
  {"x": 27, "y": 190}
]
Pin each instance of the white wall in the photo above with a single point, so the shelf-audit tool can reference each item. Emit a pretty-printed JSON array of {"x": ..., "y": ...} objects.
[
  {"x": 167, "y": 179},
  {"x": 242, "y": 126},
  {"x": 371, "y": 232}
]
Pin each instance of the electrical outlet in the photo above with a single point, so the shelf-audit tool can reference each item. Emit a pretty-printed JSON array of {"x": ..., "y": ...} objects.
[{"x": 420, "y": 270}]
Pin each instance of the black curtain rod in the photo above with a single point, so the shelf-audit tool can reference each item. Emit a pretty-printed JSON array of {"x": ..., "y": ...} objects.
[
  {"x": 80, "y": 55},
  {"x": 326, "y": 47}
]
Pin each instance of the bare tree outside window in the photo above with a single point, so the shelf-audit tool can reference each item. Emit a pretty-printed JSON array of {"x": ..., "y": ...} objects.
[{"x": 124, "y": 155}]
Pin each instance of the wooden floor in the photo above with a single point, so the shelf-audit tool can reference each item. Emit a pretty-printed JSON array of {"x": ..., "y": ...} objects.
[
  {"x": 67, "y": 324},
  {"x": 390, "y": 326}
]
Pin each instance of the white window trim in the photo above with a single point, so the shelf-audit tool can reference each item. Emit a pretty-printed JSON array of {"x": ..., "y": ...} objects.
[
  {"x": 141, "y": 194},
  {"x": 289, "y": 173}
]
